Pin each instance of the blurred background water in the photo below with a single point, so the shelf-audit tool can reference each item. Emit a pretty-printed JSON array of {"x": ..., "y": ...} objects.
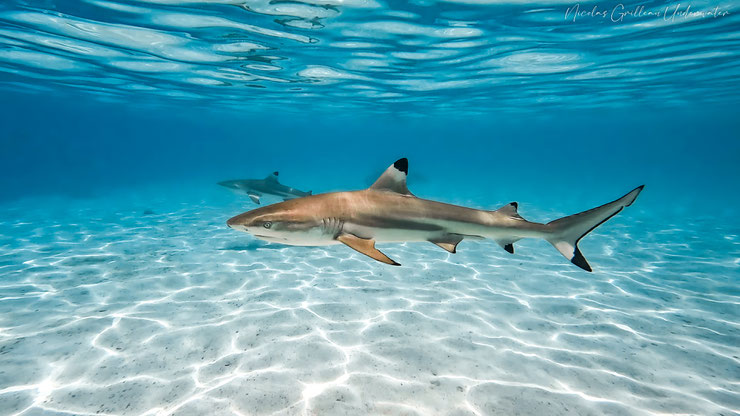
[
  {"x": 489, "y": 97},
  {"x": 117, "y": 118}
]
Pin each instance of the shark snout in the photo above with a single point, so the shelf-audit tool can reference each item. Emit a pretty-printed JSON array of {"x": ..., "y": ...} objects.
[
  {"x": 238, "y": 222},
  {"x": 231, "y": 222}
]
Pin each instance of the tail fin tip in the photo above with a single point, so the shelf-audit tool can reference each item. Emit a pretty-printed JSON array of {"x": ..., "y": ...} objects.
[
  {"x": 636, "y": 192},
  {"x": 580, "y": 261}
]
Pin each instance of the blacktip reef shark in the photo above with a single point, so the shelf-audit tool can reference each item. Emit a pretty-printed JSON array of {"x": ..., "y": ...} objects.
[
  {"x": 388, "y": 212},
  {"x": 255, "y": 188}
]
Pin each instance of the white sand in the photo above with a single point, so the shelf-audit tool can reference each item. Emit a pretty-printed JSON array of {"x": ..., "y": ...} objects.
[{"x": 107, "y": 311}]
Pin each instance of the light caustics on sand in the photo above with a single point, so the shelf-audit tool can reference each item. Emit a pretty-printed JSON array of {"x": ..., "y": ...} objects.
[{"x": 118, "y": 313}]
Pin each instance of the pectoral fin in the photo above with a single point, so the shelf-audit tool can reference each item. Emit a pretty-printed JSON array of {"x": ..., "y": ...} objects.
[
  {"x": 254, "y": 197},
  {"x": 366, "y": 247},
  {"x": 448, "y": 242}
]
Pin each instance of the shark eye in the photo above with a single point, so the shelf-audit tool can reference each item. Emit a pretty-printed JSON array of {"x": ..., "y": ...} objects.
[{"x": 267, "y": 224}]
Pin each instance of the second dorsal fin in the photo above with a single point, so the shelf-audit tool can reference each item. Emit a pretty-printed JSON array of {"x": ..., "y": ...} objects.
[
  {"x": 510, "y": 210},
  {"x": 394, "y": 178}
]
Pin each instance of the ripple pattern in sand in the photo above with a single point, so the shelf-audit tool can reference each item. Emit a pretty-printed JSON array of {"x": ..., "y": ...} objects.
[{"x": 120, "y": 313}]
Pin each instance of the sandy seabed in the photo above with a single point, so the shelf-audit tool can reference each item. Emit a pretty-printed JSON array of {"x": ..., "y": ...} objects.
[{"x": 126, "y": 311}]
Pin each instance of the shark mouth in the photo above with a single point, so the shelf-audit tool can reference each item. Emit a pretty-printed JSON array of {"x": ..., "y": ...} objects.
[{"x": 270, "y": 238}]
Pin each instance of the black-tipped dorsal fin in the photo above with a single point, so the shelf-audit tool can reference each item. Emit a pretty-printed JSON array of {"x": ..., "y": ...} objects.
[
  {"x": 510, "y": 210},
  {"x": 273, "y": 176},
  {"x": 394, "y": 178}
]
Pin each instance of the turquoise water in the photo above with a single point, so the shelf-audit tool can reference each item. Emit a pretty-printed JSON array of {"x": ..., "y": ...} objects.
[{"x": 122, "y": 291}]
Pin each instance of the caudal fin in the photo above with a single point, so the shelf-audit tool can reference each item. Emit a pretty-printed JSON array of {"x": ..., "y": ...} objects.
[{"x": 567, "y": 232}]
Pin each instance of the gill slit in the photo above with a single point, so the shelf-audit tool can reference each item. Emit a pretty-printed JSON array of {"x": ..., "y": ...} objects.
[{"x": 332, "y": 226}]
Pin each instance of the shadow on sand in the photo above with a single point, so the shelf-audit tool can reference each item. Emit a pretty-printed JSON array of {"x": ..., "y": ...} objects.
[{"x": 253, "y": 245}]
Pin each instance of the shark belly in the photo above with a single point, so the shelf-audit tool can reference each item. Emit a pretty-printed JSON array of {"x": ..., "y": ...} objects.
[
  {"x": 399, "y": 231},
  {"x": 312, "y": 237}
]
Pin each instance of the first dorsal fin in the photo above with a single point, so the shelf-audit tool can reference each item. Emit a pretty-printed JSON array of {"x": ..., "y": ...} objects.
[
  {"x": 394, "y": 178},
  {"x": 273, "y": 176}
]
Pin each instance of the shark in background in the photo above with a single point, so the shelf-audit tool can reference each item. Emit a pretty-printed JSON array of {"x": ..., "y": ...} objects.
[
  {"x": 256, "y": 188},
  {"x": 389, "y": 212}
]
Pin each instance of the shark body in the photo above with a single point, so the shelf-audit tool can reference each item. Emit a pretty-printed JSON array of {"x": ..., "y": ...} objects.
[
  {"x": 256, "y": 188},
  {"x": 388, "y": 212}
]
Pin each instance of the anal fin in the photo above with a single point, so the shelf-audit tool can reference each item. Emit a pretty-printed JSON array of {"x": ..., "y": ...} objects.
[
  {"x": 366, "y": 247},
  {"x": 506, "y": 245},
  {"x": 448, "y": 242}
]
